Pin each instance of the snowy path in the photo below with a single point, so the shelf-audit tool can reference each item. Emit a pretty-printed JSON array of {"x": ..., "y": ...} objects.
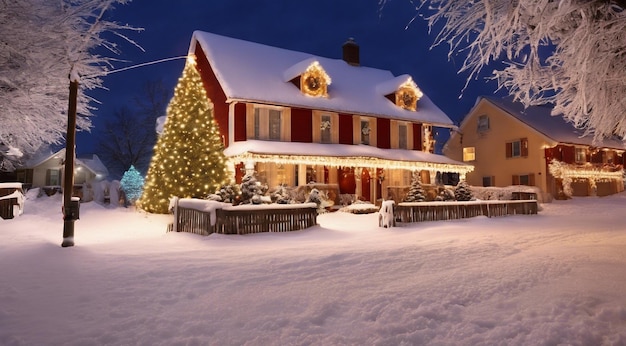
[{"x": 556, "y": 277}]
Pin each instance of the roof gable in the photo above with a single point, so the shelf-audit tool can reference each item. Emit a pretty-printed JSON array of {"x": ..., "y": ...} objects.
[
  {"x": 253, "y": 72},
  {"x": 555, "y": 127}
]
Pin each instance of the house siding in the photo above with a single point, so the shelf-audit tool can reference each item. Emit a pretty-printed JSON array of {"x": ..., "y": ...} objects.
[
  {"x": 345, "y": 129},
  {"x": 214, "y": 93},
  {"x": 240, "y": 122},
  {"x": 383, "y": 131},
  {"x": 491, "y": 148},
  {"x": 301, "y": 125}
]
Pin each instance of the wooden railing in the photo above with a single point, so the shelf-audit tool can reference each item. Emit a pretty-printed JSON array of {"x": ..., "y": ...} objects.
[
  {"x": 264, "y": 220},
  {"x": 437, "y": 211},
  {"x": 242, "y": 221}
]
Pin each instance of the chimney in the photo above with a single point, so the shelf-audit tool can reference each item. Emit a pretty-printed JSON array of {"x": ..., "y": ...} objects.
[{"x": 351, "y": 52}]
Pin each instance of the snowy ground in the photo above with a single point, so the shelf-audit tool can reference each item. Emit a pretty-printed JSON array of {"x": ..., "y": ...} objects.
[{"x": 547, "y": 279}]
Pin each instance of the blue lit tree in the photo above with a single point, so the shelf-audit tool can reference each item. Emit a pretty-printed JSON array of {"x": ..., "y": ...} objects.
[{"x": 132, "y": 184}]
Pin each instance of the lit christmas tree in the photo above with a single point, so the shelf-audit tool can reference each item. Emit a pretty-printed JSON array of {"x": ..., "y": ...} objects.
[
  {"x": 416, "y": 191},
  {"x": 132, "y": 184},
  {"x": 188, "y": 159}
]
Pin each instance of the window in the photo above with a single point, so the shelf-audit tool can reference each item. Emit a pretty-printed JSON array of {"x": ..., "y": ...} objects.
[
  {"x": 402, "y": 136},
  {"x": 365, "y": 132},
  {"x": 581, "y": 155},
  {"x": 469, "y": 154},
  {"x": 274, "y": 120},
  {"x": 52, "y": 177},
  {"x": 325, "y": 136},
  {"x": 524, "y": 179},
  {"x": 518, "y": 148},
  {"x": 257, "y": 123},
  {"x": 489, "y": 181},
  {"x": 483, "y": 123}
]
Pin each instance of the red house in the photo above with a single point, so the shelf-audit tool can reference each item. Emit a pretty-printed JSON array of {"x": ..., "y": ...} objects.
[{"x": 297, "y": 118}]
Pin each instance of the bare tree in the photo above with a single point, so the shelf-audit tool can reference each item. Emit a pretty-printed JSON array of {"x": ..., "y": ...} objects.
[
  {"x": 571, "y": 53},
  {"x": 42, "y": 44},
  {"x": 130, "y": 135}
]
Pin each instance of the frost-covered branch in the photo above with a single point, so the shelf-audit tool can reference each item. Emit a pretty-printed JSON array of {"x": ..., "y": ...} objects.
[
  {"x": 42, "y": 44},
  {"x": 571, "y": 53}
]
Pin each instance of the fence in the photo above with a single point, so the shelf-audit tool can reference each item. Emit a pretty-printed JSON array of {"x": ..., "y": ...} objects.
[
  {"x": 244, "y": 221},
  {"x": 437, "y": 211},
  {"x": 11, "y": 200}
]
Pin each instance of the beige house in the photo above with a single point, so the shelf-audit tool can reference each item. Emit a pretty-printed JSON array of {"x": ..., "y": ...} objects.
[
  {"x": 510, "y": 145},
  {"x": 46, "y": 170}
]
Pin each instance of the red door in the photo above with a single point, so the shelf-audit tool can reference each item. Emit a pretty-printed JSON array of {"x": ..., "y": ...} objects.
[{"x": 347, "y": 183}]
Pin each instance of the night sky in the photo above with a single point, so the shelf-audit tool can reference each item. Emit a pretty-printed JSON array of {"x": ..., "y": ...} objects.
[{"x": 318, "y": 27}]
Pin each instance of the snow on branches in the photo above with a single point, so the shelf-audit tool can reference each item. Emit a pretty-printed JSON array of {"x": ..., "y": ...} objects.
[
  {"x": 43, "y": 45},
  {"x": 571, "y": 53}
]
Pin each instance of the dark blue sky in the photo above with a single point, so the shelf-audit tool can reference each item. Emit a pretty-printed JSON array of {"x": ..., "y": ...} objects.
[{"x": 318, "y": 27}]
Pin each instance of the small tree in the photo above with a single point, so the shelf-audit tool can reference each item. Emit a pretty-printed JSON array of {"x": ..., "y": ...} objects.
[
  {"x": 416, "y": 191},
  {"x": 462, "y": 192},
  {"x": 281, "y": 195},
  {"x": 229, "y": 193},
  {"x": 132, "y": 184},
  {"x": 251, "y": 190}
]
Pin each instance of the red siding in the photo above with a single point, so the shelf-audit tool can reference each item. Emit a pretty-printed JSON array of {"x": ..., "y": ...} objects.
[
  {"x": 240, "y": 122},
  {"x": 417, "y": 137},
  {"x": 301, "y": 125},
  {"x": 567, "y": 153},
  {"x": 214, "y": 92},
  {"x": 345, "y": 129},
  {"x": 383, "y": 131}
]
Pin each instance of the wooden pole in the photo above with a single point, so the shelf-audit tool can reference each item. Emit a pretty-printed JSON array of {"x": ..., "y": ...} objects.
[{"x": 70, "y": 211}]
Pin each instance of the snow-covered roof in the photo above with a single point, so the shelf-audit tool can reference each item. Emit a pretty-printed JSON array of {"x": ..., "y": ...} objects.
[
  {"x": 554, "y": 127},
  {"x": 344, "y": 154},
  {"x": 254, "y": 72},
  {"x": 92, "y": 163}
]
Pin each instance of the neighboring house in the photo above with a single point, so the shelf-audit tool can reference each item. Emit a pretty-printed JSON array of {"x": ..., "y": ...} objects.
[
  {"x": 295, "y": 118},
  {"x": 510, "y": 145},
  {"x": 46, "y": 170}
]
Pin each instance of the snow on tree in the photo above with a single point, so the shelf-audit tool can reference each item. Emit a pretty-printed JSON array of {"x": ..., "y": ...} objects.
[
  {"x": 251, "y": 190},
  {"x": 569, "y": 53},
  {"x": 188, "y": 159},
  {"x": 281, "y": 195},
  {"x": 42, "y": 43},
  {"x": 445, "y": 195},
  {"x": 318, "y": 197},
  {"x": 229, "y": 193},
  {"x": 462, "y": 192},
  {"x": 416, "y": 191},
  {"x": 132, "y": 184}
]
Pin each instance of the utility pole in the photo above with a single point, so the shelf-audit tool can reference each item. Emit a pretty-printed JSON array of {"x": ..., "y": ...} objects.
[{"x": 70, "y": 207}]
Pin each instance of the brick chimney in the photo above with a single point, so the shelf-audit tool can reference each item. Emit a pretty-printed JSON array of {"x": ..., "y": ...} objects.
[{"x": 351, "y": 52}]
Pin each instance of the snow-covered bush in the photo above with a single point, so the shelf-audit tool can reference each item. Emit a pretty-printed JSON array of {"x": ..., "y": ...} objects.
[
  {"x": 318, "y": 197},
  {"x": 462, "y": 192},
  {"x": 251, "y": 190},
  {"x": 416, "y": 191},
  {"x": 227, "y": 193},
  {"x": 446, "y": 195},
  {"x": 281, "y": 195}
]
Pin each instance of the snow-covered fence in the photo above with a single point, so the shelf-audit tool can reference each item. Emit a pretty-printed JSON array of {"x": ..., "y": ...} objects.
[
  {"x": 206, "y": 217},
  {"x": 437, "y": 211},
  {"x": 11, "y": 200}
]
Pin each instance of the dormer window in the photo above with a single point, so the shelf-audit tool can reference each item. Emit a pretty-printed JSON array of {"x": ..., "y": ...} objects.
[
  {"x": 309, "y": 76},
  {"x": 407, "y": 95},
  {"x": 315, "y": 81},
  {"x": 402, "y": 91}
]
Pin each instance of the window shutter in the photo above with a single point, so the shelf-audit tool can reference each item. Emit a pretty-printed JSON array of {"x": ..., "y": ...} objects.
[
  {"x": 524, "y": 147},
  {"x": 515, "y": 179},
  {"x": 493, "y": 180},
  {"x": 509, "y": 150},
  {"x": 531, "y": 179}
]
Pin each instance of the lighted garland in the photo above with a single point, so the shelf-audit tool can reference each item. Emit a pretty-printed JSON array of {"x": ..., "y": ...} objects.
[
  {"x": 568, "y": 173},
  {"x": 188, "y": 159}
]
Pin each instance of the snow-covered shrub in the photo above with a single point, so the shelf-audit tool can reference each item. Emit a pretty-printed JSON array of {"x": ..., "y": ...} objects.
[
  {"x": 251, "y": 190},
  {"x": 462, "y": 192},
  {"x": 446, "y": 195},
  {"x": 318, "y": 197},
  {"x": 227, "y": 193},
  {"x": 281, "y": 194},
  {"x": 416, "y": 191}
]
